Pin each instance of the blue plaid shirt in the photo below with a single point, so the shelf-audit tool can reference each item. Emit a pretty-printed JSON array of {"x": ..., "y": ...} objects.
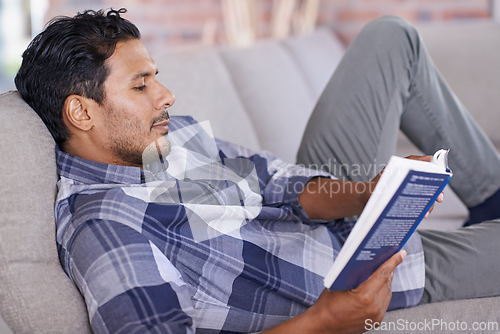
[{"x": 215, "y": 243}]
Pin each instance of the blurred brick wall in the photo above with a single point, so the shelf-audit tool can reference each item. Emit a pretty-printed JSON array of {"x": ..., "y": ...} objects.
[
  {"x": 172, "y": 23},
  {"x": 347, "y": 17}
]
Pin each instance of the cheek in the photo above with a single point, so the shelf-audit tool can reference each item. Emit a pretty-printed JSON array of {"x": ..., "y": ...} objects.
[
  {"x": 136, "y": 129},
  {"x": 129, "y": 118},
  {"x": 134, "y": 121},
  {"x": 137, "y": 116}
]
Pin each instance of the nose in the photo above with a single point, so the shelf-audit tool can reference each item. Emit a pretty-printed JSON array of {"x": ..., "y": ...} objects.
[{"x": 166, "y": 98}]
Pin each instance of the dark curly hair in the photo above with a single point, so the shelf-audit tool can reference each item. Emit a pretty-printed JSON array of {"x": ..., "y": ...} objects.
[{"x": 67, "y": 58}]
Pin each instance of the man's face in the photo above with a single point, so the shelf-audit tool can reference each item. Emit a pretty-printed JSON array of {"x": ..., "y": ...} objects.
[{"x": 134, "y": 112}]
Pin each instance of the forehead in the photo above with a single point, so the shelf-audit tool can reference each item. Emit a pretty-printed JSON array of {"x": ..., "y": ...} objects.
[{"x": 129, "y": 61}]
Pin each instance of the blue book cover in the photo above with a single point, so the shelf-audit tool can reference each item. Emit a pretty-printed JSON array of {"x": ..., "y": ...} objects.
[{"x": 385, "y": 233}]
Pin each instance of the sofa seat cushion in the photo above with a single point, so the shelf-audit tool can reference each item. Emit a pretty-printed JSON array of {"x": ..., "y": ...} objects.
[{"x": 446, "y": 316}]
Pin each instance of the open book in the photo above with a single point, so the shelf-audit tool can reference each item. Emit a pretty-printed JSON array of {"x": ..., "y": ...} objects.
[{"x": 404, "y": 193}]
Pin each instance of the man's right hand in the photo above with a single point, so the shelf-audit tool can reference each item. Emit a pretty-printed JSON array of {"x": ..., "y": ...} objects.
[{"x": 348, "y": 311}]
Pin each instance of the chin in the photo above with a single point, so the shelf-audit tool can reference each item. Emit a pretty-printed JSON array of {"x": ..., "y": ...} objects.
[
  {"x": 163, "y": 145},
  {"x": 157, "y": 150}
]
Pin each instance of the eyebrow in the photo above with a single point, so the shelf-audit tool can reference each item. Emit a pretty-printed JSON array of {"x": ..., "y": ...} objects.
[{"x": 143, "y": 75}]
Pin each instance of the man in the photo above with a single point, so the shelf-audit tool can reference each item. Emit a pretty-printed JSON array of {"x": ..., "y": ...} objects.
[{"x": 156, "y": 237}]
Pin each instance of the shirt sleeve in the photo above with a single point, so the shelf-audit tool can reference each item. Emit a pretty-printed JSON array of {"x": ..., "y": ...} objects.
[
  {"x": 129, "y": 286},
  {"x": 280, "y": 182}
]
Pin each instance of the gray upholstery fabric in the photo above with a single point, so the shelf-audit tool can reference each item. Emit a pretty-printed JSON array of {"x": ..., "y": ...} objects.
[
  {"x": 476, "y": 82},
  {"x": 204, "y": 90},
  {"x": 279, "y": 118},
  {"x": 466, "y": 312},
  {"x": 317, "y": 55},
  {"x": 36, "y": 296},
  {"x": 231, "y": 86},
  {"x": 4, "y": 329}
]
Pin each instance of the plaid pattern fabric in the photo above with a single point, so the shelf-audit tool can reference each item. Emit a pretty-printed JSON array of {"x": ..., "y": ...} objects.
[{"x": 210, "y": 239}]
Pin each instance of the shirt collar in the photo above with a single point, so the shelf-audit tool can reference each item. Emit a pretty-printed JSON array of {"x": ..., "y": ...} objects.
[{"x": 91, "y": 172}]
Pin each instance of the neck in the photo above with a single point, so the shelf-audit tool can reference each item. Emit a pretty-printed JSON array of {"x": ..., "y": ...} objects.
[{"x": 85, "y": 149}]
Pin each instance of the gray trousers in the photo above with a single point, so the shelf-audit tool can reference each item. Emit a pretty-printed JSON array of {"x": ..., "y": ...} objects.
[{"x": 386, "y": 82}]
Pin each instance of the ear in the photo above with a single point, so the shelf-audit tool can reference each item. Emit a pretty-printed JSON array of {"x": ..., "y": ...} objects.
[{"x": 76, "y": 112}]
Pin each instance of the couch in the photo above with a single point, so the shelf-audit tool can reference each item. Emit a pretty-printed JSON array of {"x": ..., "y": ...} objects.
[{"x": 236, "y": 89}]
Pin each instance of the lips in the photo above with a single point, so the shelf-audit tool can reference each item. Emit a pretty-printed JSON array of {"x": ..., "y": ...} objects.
[{"x": 161, "y": 125}]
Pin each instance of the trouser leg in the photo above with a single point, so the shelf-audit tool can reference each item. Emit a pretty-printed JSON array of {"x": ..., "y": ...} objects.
[
  {"x": 461, "y": 264},
  {"x": 386, "y": 81}
]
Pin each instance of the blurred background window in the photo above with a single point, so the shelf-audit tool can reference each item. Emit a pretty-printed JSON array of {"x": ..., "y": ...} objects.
[{"x": 20, "y": 20}]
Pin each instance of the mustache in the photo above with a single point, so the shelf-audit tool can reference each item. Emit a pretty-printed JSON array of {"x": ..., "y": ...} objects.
[{"x": 164, "y": 116}]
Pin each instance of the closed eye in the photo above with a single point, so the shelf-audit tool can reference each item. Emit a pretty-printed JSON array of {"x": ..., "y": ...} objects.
[{"x": 140, "y": 88}]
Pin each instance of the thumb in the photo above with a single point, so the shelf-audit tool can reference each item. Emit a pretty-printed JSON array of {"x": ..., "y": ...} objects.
[
  {"x": 391, "y": 264},
  {"x": 384, "y": 273}
]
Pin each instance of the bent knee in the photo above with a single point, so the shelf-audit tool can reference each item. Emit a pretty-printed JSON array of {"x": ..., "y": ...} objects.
[
  {"x": 391, "y": 28},
  {"x": 388, "y": 24},
  {"x": 391, "y": 33}
]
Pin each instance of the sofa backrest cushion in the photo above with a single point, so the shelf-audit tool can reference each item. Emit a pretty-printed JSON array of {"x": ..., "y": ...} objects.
[
  {"x": 4, "y": 328},
  {"x": 279, "y": 86},
  {"x": 36, "y": 296},
  {"x": 274, "y": 93},
  {"x": 203, "y": 89},
  {"x": 260, "y": 96},
  {"x": 467, "y": 56},
  {"x": 317, "y": 56}
]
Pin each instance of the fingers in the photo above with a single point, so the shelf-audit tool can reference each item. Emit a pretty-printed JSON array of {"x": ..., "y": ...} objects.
[
  {"x": 374, "y": 295},
  {"x": 420, "y": 157},
  {"x": 388, "y": 296},
  {"x": 429, "y": 212},
  {"x": 439, "y": 199}
]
